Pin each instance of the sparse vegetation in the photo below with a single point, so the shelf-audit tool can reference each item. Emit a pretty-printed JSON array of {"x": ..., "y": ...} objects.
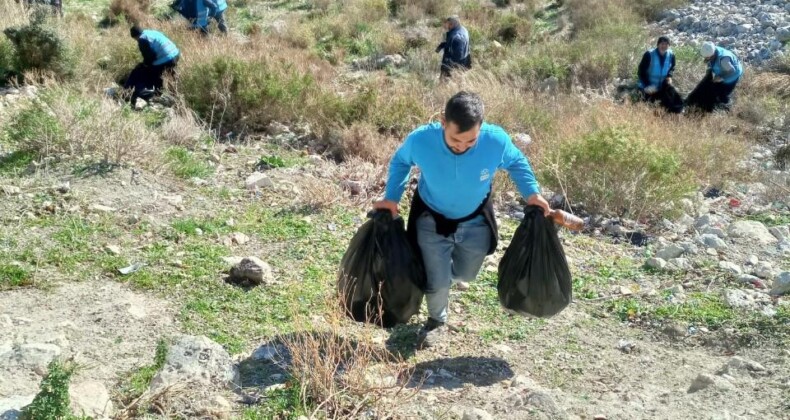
[
  {"x": 140, "y": 379},
  {"x": 618, "y": 172},
  {"x": 299, "y": 65}
]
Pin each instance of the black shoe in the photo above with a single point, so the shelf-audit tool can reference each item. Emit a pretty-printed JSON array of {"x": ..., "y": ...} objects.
[{"x": 432, "y": 334}]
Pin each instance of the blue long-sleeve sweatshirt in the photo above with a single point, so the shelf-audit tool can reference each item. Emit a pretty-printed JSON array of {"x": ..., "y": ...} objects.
[{"x": 455, "y": 185}]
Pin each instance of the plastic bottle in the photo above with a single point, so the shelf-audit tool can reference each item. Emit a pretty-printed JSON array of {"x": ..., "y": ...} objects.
[{"x": 566, "y": 219}]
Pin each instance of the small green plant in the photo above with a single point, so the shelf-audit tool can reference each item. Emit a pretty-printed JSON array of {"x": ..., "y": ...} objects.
[
  {"x": 283, "y": 403},
  {"x": 12, "y": 275},
  {"x": 52, "y": 401},
  {"x": 184, "y": 164},
  {"x": 271, "y": 162},
  {"x": 626, "y": 309},
  {"x": 615, "y": 171}
]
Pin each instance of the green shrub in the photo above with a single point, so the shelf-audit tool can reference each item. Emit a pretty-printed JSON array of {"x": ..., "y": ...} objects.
[
  {"x": 615, "y": 171},
  {"x": 52, "y": 401},
  {"x": 238, "y": 94},
  {"x": 7, "y": 65},
  {"x": 39, "y": 47},
  {"x": 512, "y": 27}
]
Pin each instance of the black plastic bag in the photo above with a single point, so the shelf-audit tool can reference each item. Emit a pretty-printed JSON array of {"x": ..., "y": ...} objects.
[
  {"x": 380, "y": 277},
  {"x": 534, "y": 278}
]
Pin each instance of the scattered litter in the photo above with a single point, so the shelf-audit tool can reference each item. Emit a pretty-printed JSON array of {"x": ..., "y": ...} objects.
[{"x": 131, "y": 269}]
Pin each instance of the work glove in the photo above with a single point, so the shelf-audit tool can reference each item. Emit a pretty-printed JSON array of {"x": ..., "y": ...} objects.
[
  {"x": 669, "y": 80},
  {"x": 441, "y": 46},
  {"x": 651, "y": 90}
]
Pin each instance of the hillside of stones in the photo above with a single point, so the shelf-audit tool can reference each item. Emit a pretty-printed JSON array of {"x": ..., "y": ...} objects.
[{"x": 587, "y": 363}]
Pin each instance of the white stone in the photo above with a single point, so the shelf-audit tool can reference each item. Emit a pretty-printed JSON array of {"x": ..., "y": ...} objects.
[
  {"x": 36, "y": 356},
  {"x": 751, "y": 230},
  {"x": 763, "y": 270},
  {"x": 92, "y": 399},
  {"x": 11, "y": 407},
  {"x": 476, "y": 414},
  {"x": 196, "y": 359},
  {"x": 730, "y": 267},
  {"x": 258, "y": 180},
  {"x": 711, "y": 241},
  {"x": 656, "y": 263},
  {"x": 781, "y": 233},
  {"x": 669, "y": 252}
]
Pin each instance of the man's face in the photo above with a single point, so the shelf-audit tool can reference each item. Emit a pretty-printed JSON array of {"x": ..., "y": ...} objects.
[
  {"x": 663, "y": 47},
  {"x": 447, "y": 25},
  {"x": 459, "y": 142}
]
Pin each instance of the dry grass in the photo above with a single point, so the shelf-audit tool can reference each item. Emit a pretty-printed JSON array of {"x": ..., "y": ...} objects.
[
  {"x": 132, "y": 11},
  {"x": 343, "y": 375}
]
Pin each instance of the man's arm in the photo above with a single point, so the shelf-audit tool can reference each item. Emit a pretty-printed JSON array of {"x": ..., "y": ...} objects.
[
  {"x": 671, "y": 67},
  {"x": 149, "y": 56},
  {"x": 517, "y": 165},
  {"x": 644, "y": 67},
  {"x": 398, "y": 176}
]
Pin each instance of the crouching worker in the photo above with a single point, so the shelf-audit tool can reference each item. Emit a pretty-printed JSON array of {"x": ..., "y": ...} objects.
[
  {"x": 715, "y": 90},
  {"x": 451, "y": 220},
  {"x": 160, "y": 56},
  {"x": 655, "y": 77}
]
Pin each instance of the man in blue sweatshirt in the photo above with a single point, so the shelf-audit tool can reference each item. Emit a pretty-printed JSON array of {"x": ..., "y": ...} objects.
[
  {"x": 160, "y": 57},
  {"x": 457, "y": 52},
  {"x": 452, "y": 218}
]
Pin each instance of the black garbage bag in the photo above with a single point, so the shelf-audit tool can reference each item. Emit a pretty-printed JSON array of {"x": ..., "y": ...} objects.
[
  {"x": 534, "y": 278},
  {"x": 380, "y": 277}
]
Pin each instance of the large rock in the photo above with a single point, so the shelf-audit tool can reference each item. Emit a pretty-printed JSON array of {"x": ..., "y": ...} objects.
[
  {"x": 736, "y": 298},
  {"x": 781, "y": 285},
  {"x": 704, "y": 381},
  {"x": 476, "y": 414},
  {"x": 196, "y": 359},
  {"x": 656, "y": 263},
  {"x": 751, "y": 230},
  {"x": 35, "y": 356},
  {"x": 252, "y": 270},
  {"x": 763, "y": 270},
  {"x": 781, "y": 233},
  {"x": 730, "y": 267},
  {"x": 711, "y": 220},
  {"x": 258, "y": 180},
  {"x": 91, "y": 399},
  {"x": 783, "y": 34},
  {"x": 11, "y": 407},
  {"x": 711, "y": 241},
  {"x": 738, "y": 366},
  {"x": 670, "y": 252}
]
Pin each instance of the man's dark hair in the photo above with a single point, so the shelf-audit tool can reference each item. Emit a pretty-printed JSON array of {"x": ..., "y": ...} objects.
[
  {"x": 465, "y": 109},
  {"x": 135, "y": 31},
  {"x": 663, "y": 39}
]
